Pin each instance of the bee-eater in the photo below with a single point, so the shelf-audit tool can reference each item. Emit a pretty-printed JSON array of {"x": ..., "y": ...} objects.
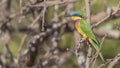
[{"x": 85, "y": 30}]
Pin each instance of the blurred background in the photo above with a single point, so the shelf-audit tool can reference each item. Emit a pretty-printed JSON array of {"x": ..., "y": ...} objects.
[{"x": 37, "y": 33}]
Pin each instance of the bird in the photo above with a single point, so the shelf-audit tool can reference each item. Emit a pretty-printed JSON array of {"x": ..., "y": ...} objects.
[{"x": 85, "y": 30}]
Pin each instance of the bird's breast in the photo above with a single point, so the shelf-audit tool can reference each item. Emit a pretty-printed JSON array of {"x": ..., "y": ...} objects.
[{"x": 77, "y": 26}]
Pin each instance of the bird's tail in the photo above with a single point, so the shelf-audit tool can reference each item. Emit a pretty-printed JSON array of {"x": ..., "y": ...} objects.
[{"x": 96, "y": 46}]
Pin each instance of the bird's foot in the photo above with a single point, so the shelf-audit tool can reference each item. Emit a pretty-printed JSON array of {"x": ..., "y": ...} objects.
[{"x": 82, "y": 40}]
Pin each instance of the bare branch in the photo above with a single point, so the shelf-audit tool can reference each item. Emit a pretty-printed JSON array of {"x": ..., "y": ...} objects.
[
  {"x": 52, "y": 3},
  {"x": 114, "y": 61},
  {"x": 88, "y": 12},
  {"x": 97, "y": 53}
]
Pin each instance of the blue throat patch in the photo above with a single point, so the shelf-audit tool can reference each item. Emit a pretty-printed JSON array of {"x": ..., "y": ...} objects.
[{"x": 75, "y": 21}]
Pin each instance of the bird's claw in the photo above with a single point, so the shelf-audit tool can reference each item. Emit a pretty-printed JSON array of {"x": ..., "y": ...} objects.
[{"x": 82, "y": 40}]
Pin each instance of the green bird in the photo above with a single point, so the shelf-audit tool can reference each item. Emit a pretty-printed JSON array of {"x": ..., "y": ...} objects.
[{"x": 85, "y": 30}]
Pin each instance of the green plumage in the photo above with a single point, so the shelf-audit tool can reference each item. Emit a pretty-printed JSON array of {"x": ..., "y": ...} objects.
[
  {"x": 87, "y": 30},
  {"x": 85, "y": 27}
]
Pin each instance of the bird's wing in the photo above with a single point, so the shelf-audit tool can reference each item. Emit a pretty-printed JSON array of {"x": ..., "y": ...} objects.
[
  {"x": 92, "y": 39},
  {"x": 87, "y": 30}
]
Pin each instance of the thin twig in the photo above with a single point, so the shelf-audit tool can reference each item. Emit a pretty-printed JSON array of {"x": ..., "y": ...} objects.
[
  {"x": 87, "y": 64},
  {"x": 97, "y": 53},
  {"x": 88, "y": 12},
  {"x": 110, "y": 13},
  {"x": 111, "y": 62},
  {"x": 101, "y": 21},
  {"x": 43, "y": 19},
  {"x": 52, "y": 3},
  {"x": 103, "y": 64},
  {"x": 25, "y": 36},
  {"x": 114, "y": 62},
  {"x": 21, "y": 46},
  {"x": 21, "y": 4},
  {"x": 36, "y": 19}
]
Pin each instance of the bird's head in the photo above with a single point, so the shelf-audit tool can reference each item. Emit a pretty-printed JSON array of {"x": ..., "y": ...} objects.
[{"x": 75, "y": 16}]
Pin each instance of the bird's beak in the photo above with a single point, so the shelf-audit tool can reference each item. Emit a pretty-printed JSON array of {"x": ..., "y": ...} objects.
[{"x": 69, "y": 16}]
